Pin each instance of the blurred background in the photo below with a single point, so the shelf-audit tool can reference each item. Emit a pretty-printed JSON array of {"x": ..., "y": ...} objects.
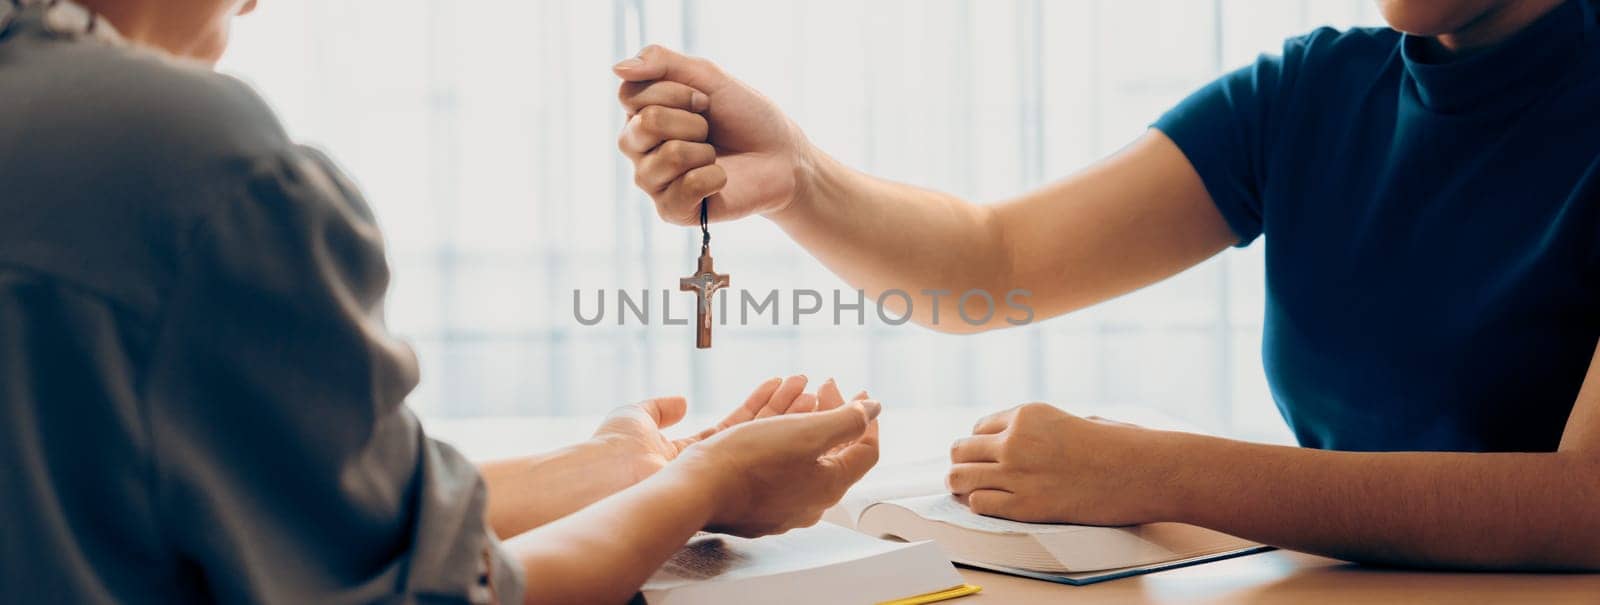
[{"x": 484, "y": 135}]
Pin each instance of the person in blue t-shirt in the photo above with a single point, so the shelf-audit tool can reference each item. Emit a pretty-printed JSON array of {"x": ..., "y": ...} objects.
[{"x": 1431, "y": 199}]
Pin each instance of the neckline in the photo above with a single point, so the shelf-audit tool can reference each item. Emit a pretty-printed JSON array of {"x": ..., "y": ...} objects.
[{"x": 1508, "y": 75}]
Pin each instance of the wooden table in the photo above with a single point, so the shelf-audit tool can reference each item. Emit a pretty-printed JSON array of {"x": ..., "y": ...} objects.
[
  {"x": 1292, "y": 577},
  {"x": 1274, "y": 577}
]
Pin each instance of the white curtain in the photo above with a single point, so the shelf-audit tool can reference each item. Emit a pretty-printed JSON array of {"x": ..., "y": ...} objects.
[{"x": 483, "y": 132}]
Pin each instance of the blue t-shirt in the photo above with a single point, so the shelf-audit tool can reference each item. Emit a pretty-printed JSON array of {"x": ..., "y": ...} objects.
[{"x": 1432, "y": 229}]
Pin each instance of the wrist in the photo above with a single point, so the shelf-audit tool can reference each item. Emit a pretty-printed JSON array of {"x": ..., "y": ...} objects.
[
  {"x": 814, "y": 171},
  {"x": 707, "y": 488},
  {"x": 1176, "y": 484},
  {"x": 622, "y": 456}
]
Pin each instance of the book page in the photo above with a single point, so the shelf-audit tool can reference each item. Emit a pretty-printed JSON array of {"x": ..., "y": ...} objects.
[
  {"x": 946, "y": 508},
  {"x": 716, "y": 557},
  {"x": 888, "y": 482}
]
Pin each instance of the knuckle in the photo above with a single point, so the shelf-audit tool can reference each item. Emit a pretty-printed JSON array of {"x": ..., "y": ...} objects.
[
  {"x": 1006, "y": 444},
  {"x": 666, "y": 212},
  {"x": 707, "y": 65},
  {"x": 651, "y": 118},
  {"x": 955, "y": 479},
  {"x": 717, "y": 179},
  {"x": 1033, "y": 409},
  {"x": 706, "y": 180},
  {"x": 676, "y": 154},
  {"x": 859, "y": 419},
  {"x": 981, "y": 421},
  {"x": 983, "y": 503}
]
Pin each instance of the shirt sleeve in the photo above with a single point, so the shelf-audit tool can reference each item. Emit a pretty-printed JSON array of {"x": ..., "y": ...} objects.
[
  {"x": 289, "y": 468},
  {"x": 1225, "y": 129}
]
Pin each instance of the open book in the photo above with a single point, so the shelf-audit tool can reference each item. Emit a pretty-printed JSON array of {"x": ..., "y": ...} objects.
[
  {"x": 820, "y": 564},
  {"x": 1071, "y": 554}
]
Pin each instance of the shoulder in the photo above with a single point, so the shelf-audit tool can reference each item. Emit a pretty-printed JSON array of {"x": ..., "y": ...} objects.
[
  {"x": 122, "y": 158},
  {"x": 127, "y": 96},
  {"x": 1357, "y": 48}
]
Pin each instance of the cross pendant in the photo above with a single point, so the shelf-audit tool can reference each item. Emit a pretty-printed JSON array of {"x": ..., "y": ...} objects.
[{"x": 705, "y": 282}]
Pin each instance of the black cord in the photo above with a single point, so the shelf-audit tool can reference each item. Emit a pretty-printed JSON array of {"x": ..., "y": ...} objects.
[{"x": 705, "y": 231}]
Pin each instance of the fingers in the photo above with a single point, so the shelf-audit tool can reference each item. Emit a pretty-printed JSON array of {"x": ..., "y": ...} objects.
[
  {"x": 659, "y": 63},
  {"x": 991, "y": 502},
  {"x": 680, "y": 203},
  {"x": 968, "y": 477},
  {"x": 853, "y": 462},
  {"x": 655, "y": 124},
  {"x": 659, "y": 168},
  {"x": 783, "y": 396},
  {"x": 806, "y": 402},
  {"x": 664, "y": 411},
  {"x": 994, "y": 423},
  {"x": 977, "y": 448},
  {"x": 638, "y": 95},
  {"x": 839, "y": 425},
  {"x": 828, "y": 396},
  {"x": 753, "y": 404}
]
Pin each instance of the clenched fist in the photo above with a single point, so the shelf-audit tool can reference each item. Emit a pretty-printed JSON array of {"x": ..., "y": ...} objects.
[
  {"x": 694, "y": 132},
  {"x": 1039, "y": 464}
]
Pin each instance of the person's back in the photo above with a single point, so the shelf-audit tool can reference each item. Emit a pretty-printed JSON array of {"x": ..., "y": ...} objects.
[
  {"x": 173, "y": 269},
  {"x": 199, "y": 400}
]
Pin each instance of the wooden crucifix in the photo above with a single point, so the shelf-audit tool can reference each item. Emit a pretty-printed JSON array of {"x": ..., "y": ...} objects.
[{"x": 705, "y": 282}]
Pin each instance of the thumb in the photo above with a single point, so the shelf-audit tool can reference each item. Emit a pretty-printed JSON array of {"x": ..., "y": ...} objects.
[
  {"x": 842, "y": 424},
  {"x": 664, "y": 411},
  {"x": 656, "y": 62}
]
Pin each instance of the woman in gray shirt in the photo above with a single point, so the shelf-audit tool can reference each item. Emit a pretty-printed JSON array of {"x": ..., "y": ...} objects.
[{"x": 199, "y": 400}]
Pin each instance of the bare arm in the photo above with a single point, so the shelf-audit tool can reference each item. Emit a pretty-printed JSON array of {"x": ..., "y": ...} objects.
[
  {"x": 1489, "y": 511},
  {"x": 519, "y": 494},
  {"x": 1131, "y": 220},
  {"x": 762, "y": 477},
  {"x": 626, "y": 449},
  {"x": 1477, "y": 511},
  {"x": 1461, "y": 510},
  {"x": 695, "y": 132},
  {"x": 603, "y": 553}
]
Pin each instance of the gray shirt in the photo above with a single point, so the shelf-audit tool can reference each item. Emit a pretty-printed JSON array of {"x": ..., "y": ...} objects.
[{"x": 198, "y": 398}]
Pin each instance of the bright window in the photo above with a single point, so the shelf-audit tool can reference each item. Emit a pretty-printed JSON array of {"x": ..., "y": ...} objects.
[{"x": 483, "y": 133}]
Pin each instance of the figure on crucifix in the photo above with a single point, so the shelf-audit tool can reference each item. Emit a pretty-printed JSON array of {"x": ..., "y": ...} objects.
[{"x": 704, "y": 283}]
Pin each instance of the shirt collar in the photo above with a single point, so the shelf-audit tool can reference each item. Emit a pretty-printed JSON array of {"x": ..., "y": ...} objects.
[{"x": 1510, "y": 74}]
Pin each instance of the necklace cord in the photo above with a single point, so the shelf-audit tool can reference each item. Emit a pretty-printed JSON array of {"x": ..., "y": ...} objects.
[{"x": 705, "y": 231}]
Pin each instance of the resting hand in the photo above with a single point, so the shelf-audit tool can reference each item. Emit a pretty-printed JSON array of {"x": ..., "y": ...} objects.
[
  {"x": 695, "y": 132},
  {"x": 633, "y": 432},
  {"x": 1037, "y": 463},
  {"x": 775, "y": 474}
]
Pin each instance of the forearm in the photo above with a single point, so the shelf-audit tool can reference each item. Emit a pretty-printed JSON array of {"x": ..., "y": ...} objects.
[
  {"x": 879, "y": 236},
  {"x": 603, "y": 553},
  {"x": 530, "y": 491},
  {"x": 1468, "y": 510},
  {"x": 1133, "y": 219}
]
